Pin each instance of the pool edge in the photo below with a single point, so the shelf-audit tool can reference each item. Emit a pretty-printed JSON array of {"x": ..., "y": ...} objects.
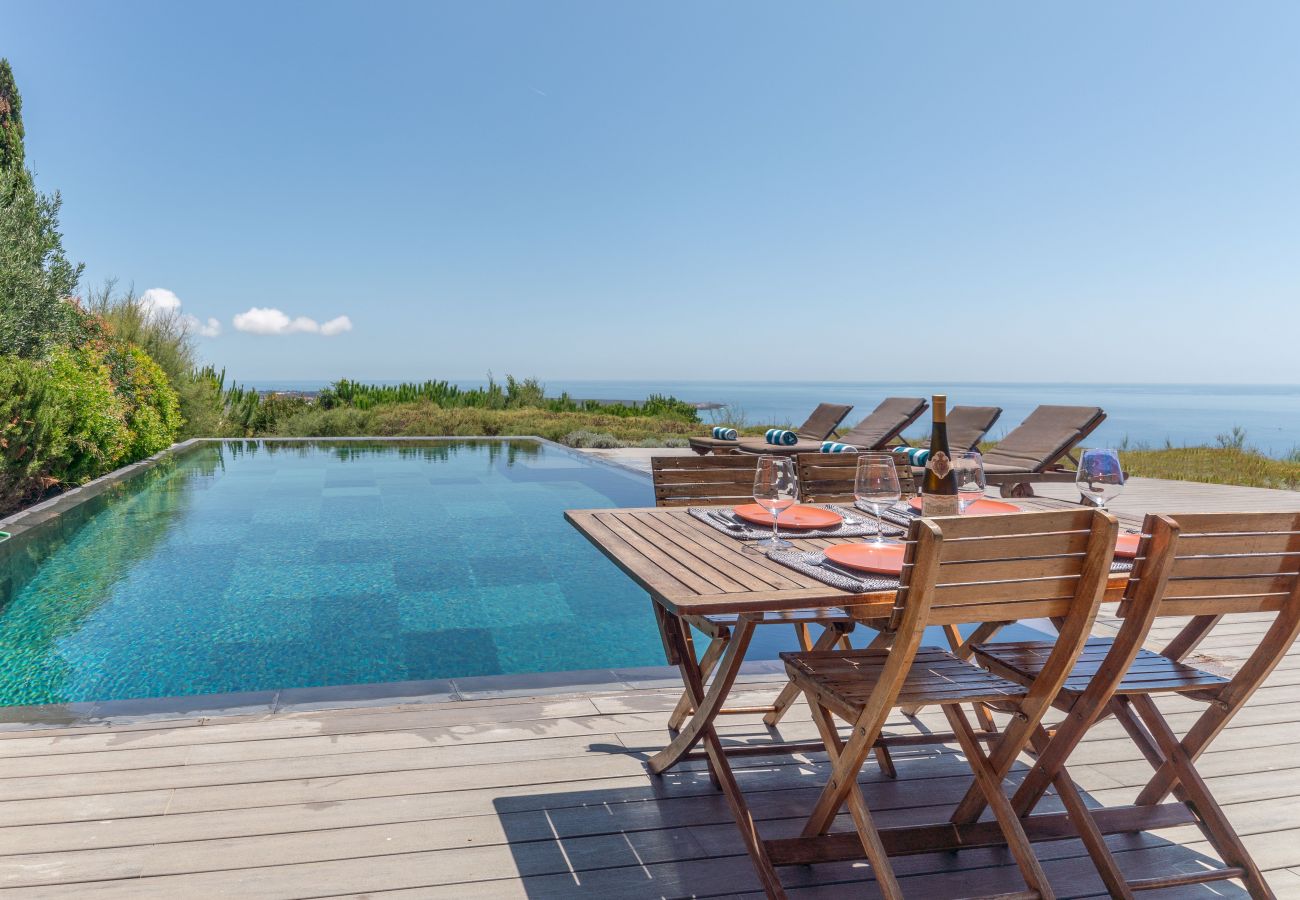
[{"x": 200, "y": 708}]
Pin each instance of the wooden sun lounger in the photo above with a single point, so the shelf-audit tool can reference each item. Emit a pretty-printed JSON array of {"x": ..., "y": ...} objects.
[
  {"x": 876, "y": 432},
  {"x": 1032, "y": 451},
  {"x": 819, "y": 426}
]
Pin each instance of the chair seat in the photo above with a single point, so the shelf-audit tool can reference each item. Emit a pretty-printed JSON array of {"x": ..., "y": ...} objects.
[
  {"x": 1150, "y": 672},
  {"x": 712, "y": 443},
  {"x": 843, "y": 680}
]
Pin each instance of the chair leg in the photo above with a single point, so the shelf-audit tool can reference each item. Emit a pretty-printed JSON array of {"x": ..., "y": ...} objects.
[
  {"x": 784, "y": 700},
  {"x": 857, "y": 803},
  {"x": 990, "y": 785},
  {"x": 1081, "y": 817},
  {"x": 1215, "y": 824}
]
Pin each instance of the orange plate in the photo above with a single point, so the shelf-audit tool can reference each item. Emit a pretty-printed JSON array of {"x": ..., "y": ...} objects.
[
  {"x": 794, "y": 517},
  {"x": 887, "y": 560},
  {"x": 1127, "y": 545},
  {"x": 984, "y": 507}
]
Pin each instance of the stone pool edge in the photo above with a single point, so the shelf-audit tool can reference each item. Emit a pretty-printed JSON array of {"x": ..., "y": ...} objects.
[{"x": 401, "y": 693}]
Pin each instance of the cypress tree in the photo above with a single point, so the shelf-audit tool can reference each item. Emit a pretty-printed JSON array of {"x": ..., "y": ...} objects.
[{"x": 37, "y": 281}]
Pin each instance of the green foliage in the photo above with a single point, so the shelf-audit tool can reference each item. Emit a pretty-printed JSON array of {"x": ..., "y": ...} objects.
[
  {"x": 592, "y": 439},
  {"x": 37, "y": 281},
  {"x": 153, "y": 413},
  {"x": 90, "y": 432},
  {"x": 25, "y": 432},
  {"x": 526, "y": 394}
]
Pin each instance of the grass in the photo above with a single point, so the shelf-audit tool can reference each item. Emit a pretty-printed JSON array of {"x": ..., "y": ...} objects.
[{"x": 1214, "y": 465}]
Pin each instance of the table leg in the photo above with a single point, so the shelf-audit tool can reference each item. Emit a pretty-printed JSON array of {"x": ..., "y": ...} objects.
[{"x": 700, "y": 729}]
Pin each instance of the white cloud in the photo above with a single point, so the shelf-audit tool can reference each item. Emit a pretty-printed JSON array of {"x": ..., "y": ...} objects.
[
  {"x": 159, "y": 302},
  {"x": 195, "y": 325},
  {"x": 336, "y": 326},
  {"x": 266, "y": 320}
]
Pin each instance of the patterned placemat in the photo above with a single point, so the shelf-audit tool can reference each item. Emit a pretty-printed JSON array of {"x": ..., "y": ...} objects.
[
  {"x": 724, "y": 520},
  {"x": 816, "y": 565}
]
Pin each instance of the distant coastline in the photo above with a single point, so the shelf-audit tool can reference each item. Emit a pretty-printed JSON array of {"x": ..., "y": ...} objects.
[{"x": 1138, "y": 415}]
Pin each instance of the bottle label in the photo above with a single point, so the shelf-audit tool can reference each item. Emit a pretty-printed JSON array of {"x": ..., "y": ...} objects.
[
  {"x": 939, "y": 505},
  {"x": 940, "y": 464}
]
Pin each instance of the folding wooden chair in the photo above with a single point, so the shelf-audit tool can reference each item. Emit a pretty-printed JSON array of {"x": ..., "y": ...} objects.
[
  {"x": 1205, "y": 566},
  {"x": 828, "y": 477},
  {"x": 706, "y": 480},
  {"x": 985, "y": 569}
]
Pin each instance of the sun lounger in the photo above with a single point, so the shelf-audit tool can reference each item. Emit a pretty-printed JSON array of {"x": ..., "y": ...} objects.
[
  {"x": 875, "y": 432},
  {"x": 967, "y": 426},
  {"x": 1031, "y": 453},
  {"x": 820, "y": 425}
]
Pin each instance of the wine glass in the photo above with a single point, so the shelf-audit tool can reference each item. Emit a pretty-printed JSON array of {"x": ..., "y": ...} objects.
[
  {"x": 776, "y": 488},
  {"x": 969, "y": 467},
  {"x": 1100, "y": 477},
  {"x": 876, "y": 485}
]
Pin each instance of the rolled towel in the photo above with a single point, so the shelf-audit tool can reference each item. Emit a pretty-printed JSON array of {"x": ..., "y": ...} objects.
[
  {"x": 724, "y": 434},
  {"x": 781, "y": 437},
  {"x": 915, "y": 456},
  {"x": 837, "y": 447}
]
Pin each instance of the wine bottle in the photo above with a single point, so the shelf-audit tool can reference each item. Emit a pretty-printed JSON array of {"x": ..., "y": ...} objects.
[{"x": 939, "y": 488}]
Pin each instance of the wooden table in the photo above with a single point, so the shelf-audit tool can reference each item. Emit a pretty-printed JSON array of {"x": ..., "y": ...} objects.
[{"x": 691, "y": 569}]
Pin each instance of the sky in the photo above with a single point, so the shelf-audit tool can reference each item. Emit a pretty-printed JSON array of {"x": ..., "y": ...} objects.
[{"x": 1016, "y": 191}]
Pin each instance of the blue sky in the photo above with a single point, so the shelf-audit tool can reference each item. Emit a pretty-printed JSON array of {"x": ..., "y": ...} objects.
[{"x": 1096, "y": 192}]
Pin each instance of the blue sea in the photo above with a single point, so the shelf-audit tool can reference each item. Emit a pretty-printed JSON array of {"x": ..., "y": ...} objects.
[{"x": 1137, "y": 414}]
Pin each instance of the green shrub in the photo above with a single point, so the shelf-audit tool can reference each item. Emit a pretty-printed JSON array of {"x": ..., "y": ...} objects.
[
  {"x": 89, "y": 430},
  {"x": 151, "y": 406},
  {"x": 25, "y": 432}
]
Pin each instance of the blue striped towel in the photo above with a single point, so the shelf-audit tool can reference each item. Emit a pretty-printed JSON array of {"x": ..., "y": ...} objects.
[
  {"x": 837, "y": 447},
  {"x": 724, "y": 434},
  {"x": 781, "y": 437},
  {"x": 915, "y": 456}
]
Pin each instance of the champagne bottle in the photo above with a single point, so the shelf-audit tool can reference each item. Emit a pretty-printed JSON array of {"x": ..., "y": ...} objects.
[{"x": 939, "y": 488}]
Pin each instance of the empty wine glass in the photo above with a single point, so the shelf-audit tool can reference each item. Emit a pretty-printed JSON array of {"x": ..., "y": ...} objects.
[
  {"x": 969, "y": 467},
  {"x": 1100, "y": 477},
  {"x": 776, "y": 488},
  {"x": 876, "y": 485}
]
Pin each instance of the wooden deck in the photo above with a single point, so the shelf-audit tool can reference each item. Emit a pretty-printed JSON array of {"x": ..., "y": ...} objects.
[
  {"x": 544, "y": 798},
  {"x": 549, "y": 797}
]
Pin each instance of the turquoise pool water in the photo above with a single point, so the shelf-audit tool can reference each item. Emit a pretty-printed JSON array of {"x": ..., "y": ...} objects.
[
  {"x": 248, "y": 566},
  {"x": 252, "y": 566}
]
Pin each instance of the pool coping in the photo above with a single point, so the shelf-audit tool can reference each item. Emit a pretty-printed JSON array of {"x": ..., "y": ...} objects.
[
  {"x": 26, "y": 523},
  {"x": 477, "y": 688}
]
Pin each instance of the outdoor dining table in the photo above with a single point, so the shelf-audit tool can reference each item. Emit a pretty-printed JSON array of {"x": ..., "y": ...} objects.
[{"x": 690, "y": 569}]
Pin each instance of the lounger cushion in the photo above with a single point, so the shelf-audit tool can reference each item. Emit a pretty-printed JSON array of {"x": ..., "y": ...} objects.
[{"x": 1041, "y": 439}]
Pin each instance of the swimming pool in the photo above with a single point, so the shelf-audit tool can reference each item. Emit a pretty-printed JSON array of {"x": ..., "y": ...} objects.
[
  {"x": 244, "y": 566},
  {"x": 247, "y": 566}
]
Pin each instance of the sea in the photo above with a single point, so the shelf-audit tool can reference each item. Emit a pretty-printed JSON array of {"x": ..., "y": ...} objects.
[{"x": 1137, "y": 415}]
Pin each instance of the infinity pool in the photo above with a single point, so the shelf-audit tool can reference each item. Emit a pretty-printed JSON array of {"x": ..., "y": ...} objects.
[{"x": 244, "y": 566}]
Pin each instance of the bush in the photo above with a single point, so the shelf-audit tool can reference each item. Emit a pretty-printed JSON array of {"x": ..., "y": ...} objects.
[
  {"x": 152, "y": 408},
  {"x": 593, "y": 440},
  {"x": 90, "y": 431},
  {"x": 25, "y": 433}
]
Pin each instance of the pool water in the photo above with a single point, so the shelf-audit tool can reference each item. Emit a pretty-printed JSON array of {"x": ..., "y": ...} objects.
[{"x": 250, "y": 565}]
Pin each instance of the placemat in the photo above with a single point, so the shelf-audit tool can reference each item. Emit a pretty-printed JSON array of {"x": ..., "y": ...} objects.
[{"x": 725, "y": 520}]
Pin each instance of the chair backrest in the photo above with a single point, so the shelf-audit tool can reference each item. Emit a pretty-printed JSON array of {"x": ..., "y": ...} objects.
[
  {"x": 703, "y": 480},
  {"x": 1220, "y": 563},
  {"x": 960, "y": 569},
  {"x": 823, "y": 421},
  {"x": 1047, "y": 434},
  {"x": 967, "y": 425},
  {"x": 828, "y": 477},
  {"x": 886, "y": 422},
  {"x": 1004, "y": 568}
]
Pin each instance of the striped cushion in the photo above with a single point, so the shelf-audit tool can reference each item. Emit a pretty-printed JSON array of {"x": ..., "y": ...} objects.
[
  {"x": 837, "y": 447},
  {"x": 781, "y": 437},
  {"x": 915, "y": 456},
  {"x": 724, "y": 434}
]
